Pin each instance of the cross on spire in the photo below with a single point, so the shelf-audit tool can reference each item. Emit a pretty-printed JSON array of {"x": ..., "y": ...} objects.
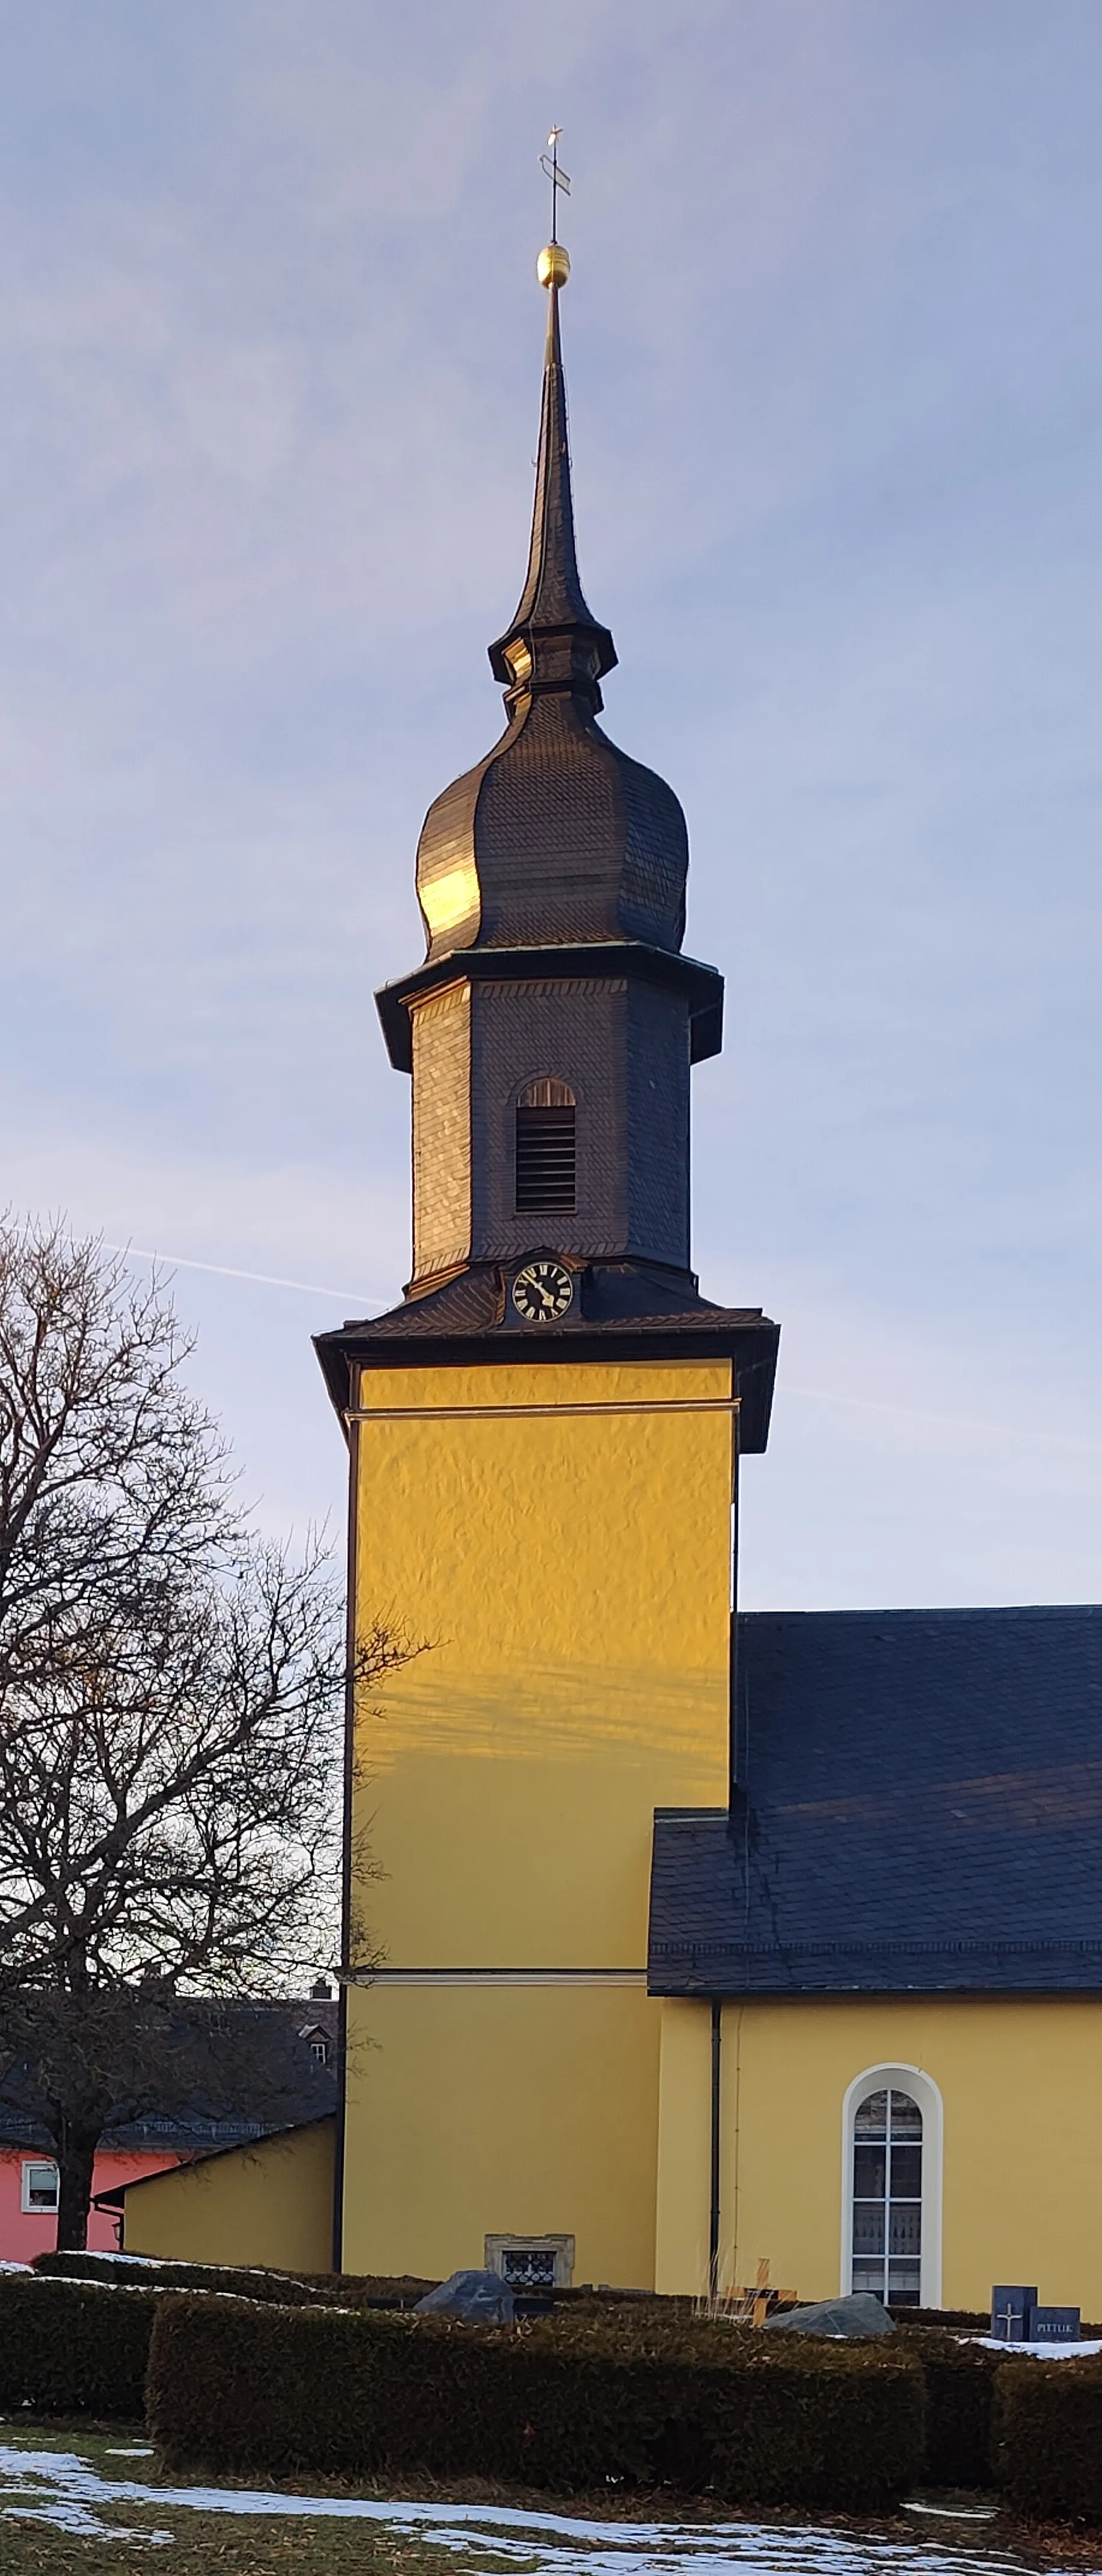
[{"x": 549, "y": 161}]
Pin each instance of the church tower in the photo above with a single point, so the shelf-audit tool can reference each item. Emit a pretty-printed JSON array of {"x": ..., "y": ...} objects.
[
  {"x": 551, "y": 1028},
  {"x": 544, "y": 1440}
]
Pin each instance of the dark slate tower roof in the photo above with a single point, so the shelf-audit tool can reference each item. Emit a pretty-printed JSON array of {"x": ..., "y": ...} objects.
[
  {"x": 551, "y": 879},
  {"x": 556, "y": 835},
  {"x": 552, "y": 600}
]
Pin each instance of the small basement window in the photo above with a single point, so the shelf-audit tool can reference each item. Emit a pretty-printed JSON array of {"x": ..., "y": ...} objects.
[
  {"x": 40, "y": 2188},
  {"x": 532, "y": 2262},
  {"x": 546, "y": 1149}
]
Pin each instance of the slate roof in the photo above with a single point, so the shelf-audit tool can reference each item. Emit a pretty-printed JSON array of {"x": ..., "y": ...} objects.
[
  {"x": 299, "y": 2089},
  {"x": 919, "y": 1810}
]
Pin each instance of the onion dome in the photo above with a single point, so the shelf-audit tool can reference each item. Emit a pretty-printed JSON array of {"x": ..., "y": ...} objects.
[{"x": 556, "y": 836}]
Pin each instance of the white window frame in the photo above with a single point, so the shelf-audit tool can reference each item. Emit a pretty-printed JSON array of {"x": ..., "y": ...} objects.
[
  {"x": 38, "y": 2208},
  {"x": 924, "y": 2091}
]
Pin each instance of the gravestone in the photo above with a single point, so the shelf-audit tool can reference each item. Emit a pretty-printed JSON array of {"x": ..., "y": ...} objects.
[
  {"x": 1010, "y": 2308},
  {"x": 1053, "y": 2325}
]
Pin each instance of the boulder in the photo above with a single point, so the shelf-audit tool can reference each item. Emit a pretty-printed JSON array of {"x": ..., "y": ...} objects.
[
  {"x": 859, "y": 2315},
  {"x": 481, "y": 2298}
]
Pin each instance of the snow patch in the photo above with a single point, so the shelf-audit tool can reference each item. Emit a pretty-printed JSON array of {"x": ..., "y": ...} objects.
[
  {"x": 60, "y": 2488},
  {"x": 1039, "y": 2351}
]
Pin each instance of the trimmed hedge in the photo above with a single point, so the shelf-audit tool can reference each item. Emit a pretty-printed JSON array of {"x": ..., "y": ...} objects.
[
  {"x": 960, "y": 2388},
  {"x": 73, "y": 2347},
  {"x": 1048, "y": 2439},
  {"x": 289, "y": 2289},
  {"x": 565, "y": 2405},
  {"x": 952, "y": 2320}
]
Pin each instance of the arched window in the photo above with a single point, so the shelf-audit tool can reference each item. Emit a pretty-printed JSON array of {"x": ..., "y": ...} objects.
[
  {"x": 545, "y": 1148},
  {"x": 891, "y": 2219}
]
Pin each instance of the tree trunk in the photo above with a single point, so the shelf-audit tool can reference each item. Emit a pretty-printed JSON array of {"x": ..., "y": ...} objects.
[{"x": 76, "y": 2155}]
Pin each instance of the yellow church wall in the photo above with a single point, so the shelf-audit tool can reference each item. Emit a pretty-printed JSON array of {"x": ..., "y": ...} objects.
[
  {"x": 1021, "y": 2088},
  {"x": 570, "y": 1570},
  {"x": 268, "y": 2203},
  {"x": 683, "y": 2198},
  {"x": 559, "y": 1535},
  {"x": 477, "y": 2112}
]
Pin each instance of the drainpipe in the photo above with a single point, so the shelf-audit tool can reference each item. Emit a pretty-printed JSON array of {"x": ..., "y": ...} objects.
[
  {"x": 346, "y": 1846},
  {"x": 713, "y": 2211}
]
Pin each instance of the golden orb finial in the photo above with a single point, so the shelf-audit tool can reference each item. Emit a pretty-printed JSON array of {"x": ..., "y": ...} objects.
[{"x": 553, "y": 265}]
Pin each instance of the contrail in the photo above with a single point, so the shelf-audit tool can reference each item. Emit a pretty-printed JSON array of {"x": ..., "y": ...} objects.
[{"x": 222, "y": 1270}]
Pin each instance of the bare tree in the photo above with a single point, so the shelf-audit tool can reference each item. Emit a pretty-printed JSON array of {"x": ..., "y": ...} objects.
[{"x": 170, "y": 1699}]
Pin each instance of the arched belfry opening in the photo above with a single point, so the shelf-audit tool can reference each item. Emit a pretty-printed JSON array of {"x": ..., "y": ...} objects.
[{"x": 546, "y": 1148}]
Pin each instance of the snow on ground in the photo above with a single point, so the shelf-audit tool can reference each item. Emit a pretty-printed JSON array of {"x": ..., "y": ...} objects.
[
  {"x": 1039, "y": 2351},
  {"x": 70, "y": 2494}
]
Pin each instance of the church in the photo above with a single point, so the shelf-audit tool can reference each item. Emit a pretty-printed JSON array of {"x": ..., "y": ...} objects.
[{"x": 677, "y": 1941}]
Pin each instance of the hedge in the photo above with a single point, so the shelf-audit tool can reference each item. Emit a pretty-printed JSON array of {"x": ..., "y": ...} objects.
[
  {"x": 73, "y": 2347},
  {"x": 290, "y": 2289},
  {"x": 1048, "y": 2439},
  {"x": 960, "y": 2385},
  {"x": 953, "y": 2320},
  {"x": 237, "y": 2389}
]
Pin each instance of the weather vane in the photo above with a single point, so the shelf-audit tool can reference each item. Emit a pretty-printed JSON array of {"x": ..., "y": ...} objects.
[{"x": 549, "y": 161}]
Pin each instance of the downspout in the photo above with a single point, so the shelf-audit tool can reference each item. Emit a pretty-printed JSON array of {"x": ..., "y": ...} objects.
[
  {"x": 346, "y": 1841},
  {"x": 735, "y": 1762},
  {"x": 734, "y": 1788},
  {"x": 713, "y": 2211}
]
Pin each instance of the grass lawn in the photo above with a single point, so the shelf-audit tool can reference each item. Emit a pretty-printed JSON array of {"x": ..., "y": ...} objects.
[
  {"x": 201, "y": 2544},
  {"x": 108, "y": 2533}
]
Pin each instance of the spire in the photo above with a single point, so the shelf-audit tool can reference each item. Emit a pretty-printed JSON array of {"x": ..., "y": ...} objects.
[{"x": 554, "y": 641}]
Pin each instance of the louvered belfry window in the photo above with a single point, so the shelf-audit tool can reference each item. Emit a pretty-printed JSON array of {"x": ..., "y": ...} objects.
[{"x": 546, "y": 1146}]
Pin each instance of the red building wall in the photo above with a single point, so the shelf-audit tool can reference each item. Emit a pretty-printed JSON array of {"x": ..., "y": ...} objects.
[{"x": 25, "y": 2233}]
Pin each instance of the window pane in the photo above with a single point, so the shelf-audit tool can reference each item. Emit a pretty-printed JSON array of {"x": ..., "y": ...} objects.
[
  {"x": 906, "y": 2173},
  {"x": 905, "y": 2227},
  {"x": 906, "y": 2117},
  {"x": 872, "y": 2117},
  {"x": 903, "y": 2284},
  {"x": 869, "y": 2276},
  {"x": 868, "y": 2226},
  {"x": 40, "y": 2186},
  {"x": 869, "y": 2172}
]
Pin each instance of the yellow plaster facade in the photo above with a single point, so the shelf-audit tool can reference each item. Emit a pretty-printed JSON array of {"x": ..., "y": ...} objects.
[
  {"x": 560, "y": 1535},
  {"x": 1020, "y": 2088},
  {"x": 268, "y": 2203}
]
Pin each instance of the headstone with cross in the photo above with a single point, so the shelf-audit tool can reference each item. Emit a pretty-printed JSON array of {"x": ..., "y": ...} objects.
[{"x": 1010, "y": 2309}]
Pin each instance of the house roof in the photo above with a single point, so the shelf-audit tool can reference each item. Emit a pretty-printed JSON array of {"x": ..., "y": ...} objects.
[
  {"x": 117, "y": 2197},
  {"x": 918, "y": 1810},
  {"x": 280, "y": 2063}
]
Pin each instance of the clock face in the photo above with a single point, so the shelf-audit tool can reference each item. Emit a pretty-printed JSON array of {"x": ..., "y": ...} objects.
[{"x": 542, "y": 1291}]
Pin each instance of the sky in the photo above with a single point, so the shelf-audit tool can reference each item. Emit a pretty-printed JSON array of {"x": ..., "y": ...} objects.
[{"x": 270, "y": 342}]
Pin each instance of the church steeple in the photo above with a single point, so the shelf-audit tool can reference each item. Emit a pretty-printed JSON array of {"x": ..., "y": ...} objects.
[
  {"x": 554, "y": 997},
  {"x": 553, "y": 641}
]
